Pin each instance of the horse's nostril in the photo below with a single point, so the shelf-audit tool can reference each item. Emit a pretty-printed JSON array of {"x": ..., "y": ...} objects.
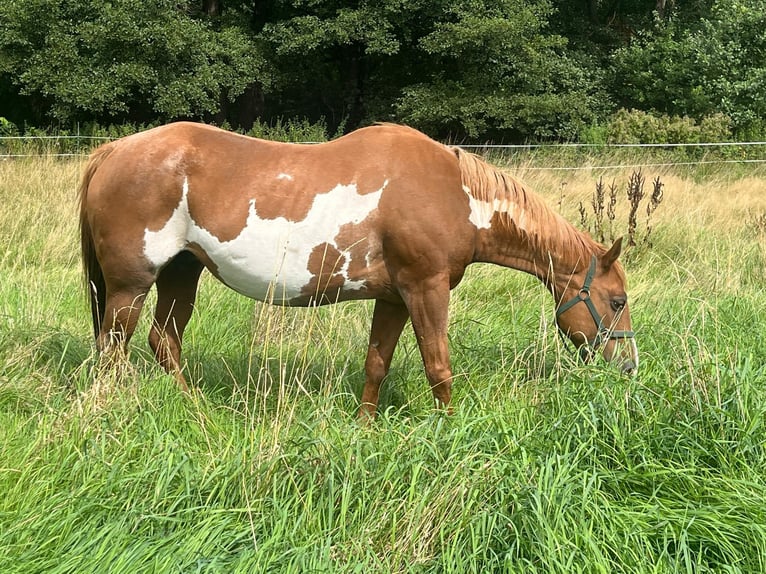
[{"x": 629, "y": 367}]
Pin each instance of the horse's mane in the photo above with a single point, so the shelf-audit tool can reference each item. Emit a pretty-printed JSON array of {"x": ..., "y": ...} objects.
[{"x": 525, "y": 214}]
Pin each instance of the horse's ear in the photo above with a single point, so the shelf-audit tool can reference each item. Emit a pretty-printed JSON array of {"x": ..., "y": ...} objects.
[{"x": 611, "y": 256}]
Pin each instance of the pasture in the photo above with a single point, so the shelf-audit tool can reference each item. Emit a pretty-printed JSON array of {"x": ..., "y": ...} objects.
[{"x": 546, "y": 466}]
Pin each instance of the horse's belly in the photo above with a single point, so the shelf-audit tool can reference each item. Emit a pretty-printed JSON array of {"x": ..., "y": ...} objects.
[
  {"x": 278, "y": 270},
  {"x": 265, "y": 274},
  {"x": 279, "y": 260}
]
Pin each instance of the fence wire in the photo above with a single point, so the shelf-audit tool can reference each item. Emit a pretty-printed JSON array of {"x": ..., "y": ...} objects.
[{"x": 89, "y": 140}]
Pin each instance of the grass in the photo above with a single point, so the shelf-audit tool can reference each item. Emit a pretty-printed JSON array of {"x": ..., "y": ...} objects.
[{"x": 546, "y": 465}]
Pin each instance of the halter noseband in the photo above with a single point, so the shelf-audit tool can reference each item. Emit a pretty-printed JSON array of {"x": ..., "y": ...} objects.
[{"x": 602, "y": 333}]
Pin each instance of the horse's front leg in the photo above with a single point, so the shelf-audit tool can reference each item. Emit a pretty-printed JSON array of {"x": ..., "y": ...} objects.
[
  {"x": 388, "y": 320},
  {"x": 428, "y": 303}
]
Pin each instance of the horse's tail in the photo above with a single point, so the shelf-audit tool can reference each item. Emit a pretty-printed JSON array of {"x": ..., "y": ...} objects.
[{"x": 94, "y": 276}]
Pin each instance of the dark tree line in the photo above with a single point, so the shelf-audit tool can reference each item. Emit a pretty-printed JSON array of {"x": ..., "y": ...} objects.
[{"x": 481, "y": 69}]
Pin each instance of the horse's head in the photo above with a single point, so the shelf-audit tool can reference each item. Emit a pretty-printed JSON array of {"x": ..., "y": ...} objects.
[{"x": 593, "y": 311}]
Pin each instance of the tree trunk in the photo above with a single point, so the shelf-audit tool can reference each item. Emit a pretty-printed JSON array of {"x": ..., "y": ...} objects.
[
  {"x": 211, "y": 8},
  {"x": 249, "y": 107},
  {"x": 592, "y": 10}
]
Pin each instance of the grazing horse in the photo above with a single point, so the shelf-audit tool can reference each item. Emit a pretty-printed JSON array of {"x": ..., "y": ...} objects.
[{"x": 383, "y": 213}]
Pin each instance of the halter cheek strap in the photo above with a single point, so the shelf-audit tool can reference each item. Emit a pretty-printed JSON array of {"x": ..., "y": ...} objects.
[{"x": 602, "y": 333}]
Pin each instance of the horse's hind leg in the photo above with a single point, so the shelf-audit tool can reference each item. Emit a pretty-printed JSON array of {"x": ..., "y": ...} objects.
[
  {"x": 120, "y": 315},
  {"x": 176, "y": 293}
]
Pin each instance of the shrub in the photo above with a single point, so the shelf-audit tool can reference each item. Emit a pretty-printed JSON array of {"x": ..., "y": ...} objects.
[
  {"x": 292, "y": 130},
  {"x": 8, "y": 128},
  {"x": 636, "y": 126}
]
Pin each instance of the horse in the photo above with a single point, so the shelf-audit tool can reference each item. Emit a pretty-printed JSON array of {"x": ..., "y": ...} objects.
[{"x": 383, "y": 213}]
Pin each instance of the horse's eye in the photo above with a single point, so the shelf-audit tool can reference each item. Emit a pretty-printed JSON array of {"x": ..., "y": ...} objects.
[{"x": 618, "y": 303}]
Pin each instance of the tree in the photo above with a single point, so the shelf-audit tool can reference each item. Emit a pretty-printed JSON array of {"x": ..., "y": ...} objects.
[
  {"x": 124, "y": 59},
  {"x": 333, "y": 56},
  {"x": 481, "y": 69},
  {"x": 495, "y": 69},
  {"x": 715, "y": 64},
  {"x": 453, "y": 67}
]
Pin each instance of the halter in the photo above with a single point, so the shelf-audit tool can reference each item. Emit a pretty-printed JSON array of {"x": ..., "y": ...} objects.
[{"x": 602, "y": 333}]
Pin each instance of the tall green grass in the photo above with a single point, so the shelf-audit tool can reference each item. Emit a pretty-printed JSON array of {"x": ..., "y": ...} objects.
[{"x": 546, "y": 466}]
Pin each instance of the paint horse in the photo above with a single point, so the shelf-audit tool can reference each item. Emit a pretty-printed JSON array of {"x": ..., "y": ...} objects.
[{"x": 383, "y": 213}]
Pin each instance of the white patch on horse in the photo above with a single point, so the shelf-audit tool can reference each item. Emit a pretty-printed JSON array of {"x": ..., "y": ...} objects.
[
  {"x": 269, "y": 258},
  {"x": 349, "y": 284},
  {"x": 483, "y": 211},
  {"x": 161, "y": 246},
  {"x": 286, "y": 176}
]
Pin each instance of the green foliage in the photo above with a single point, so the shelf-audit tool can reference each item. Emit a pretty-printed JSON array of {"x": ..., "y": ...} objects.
[
  {"x": 84, "y": 137},
  {"x": 124, "y": 59},
  {"x": 636, "y": 126},
  {"x": 494, "y": 68},
  {"x": 77, "y": 141},
  {"x": 502, "y": 71},
  {"x": 8, "y": 128},
  {"x": 714, "y": 65},
  {"x": 290, "y": 131},
  {"x": 368, "y": 25},
  {"x": 346, "y": 61}
]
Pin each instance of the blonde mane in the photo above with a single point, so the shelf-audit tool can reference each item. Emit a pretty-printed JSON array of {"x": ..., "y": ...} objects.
[{"x": 524, "y": 214}]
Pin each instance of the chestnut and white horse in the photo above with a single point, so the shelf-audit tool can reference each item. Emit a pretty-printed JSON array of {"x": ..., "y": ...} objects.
[{"x": 383, "y": 213}]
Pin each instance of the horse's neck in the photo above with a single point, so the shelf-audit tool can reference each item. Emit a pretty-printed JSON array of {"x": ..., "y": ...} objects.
[
  {"x": 543, "y": 249},
  {"x": 516, "y": 228}
]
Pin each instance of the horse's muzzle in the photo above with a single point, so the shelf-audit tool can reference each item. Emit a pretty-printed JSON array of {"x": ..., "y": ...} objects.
[
  {"x": 623, "y": 355},
  {"x": 629, "y": 367}
]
